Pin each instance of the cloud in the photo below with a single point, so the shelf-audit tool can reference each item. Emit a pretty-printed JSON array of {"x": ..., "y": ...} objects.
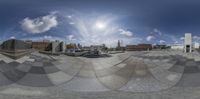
[
  {"x": 196, "y": 38},
  {"x": 84, "y": 29},
  {"x": 162, "y": 41},
  {"x": 12, "y": 37},
  {"x": 176, "y": 42},
  {"x": 126, "y": 33},
  {"x": 48, "y": 37},
  {"x": 71, "y": 23},
  {"x": 69, "y": 16},
  {"x": 182, "y": 38},
  {"x": 40, "y": 24},
  {"x": 150, "y": 38},
  {"x": 71, "y": 37},
  {"x": 157, "y": 31}
]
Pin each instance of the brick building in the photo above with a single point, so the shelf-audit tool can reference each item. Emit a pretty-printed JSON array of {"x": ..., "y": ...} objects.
[
  {"x": 42, "y": 46},
  {"x": 139, "y": 47}
]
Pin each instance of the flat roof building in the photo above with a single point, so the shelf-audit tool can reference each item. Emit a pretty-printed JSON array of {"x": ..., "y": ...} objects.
[
  {"x": 139, "y": 47},
  {"x": 15, "y": 48},
  {"x": 42, "y": 46},
  {"x": 57, "y": 46},
  {"x": 177, "y": 47},
  {"x": 196, "y": 45},
  {"x": 188, "y": 43}
]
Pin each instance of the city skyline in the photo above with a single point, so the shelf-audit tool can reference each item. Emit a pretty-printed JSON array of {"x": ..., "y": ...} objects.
[{"x": 97, "y": 22}]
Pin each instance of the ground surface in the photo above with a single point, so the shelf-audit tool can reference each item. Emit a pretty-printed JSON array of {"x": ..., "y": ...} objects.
[{"x": 130, "y": 75}]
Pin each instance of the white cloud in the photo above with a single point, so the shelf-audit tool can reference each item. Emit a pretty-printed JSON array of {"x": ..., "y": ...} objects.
[
  {"x": 71, "y": 23},
  {"x": 157, "y": 31},
  {"x": 12, "y": 37},
  {"x": 85, "y": 30},
  {"x": 48, "y": 37},
  {"x": 182, "y": 38},
  {"x": 176, "y": 42},
  {"x": 71, "y": 37},
  {"x": 54, "y": 12},
  {"x": 162, "y": 41},
  {"x": 40, "y": 24},
  {"x": 196, "y": 37},
  {"x": 69, "y": 16},
  {"x": 126, "y": 33},
  {"x": 150, "y": 38}
]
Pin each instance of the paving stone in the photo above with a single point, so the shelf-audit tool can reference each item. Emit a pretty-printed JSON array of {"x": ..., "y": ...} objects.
[
  {"x": 4, "y": 80},
  {"x": 37, "y": 70},
  {"x": 37, "y": 64},
  {"x": 23, "y": 67},
  {"x": 85, "y": 85},
  {"x": 189, "y": 80},
  {"x": 177, "y": 69},
  {"x": 86, "y": 73},
  {"x": 35, "y": 80},
  {"x": 13, "y": 64},
  {"x": 113, "y": 82},
  {"x": 48, "y": 64},
  {"x": 59, "y": 77},
  {"x": 14, "y": 75},
  {"x": 191, "y": 69},
  {"x": 51, "y": 69}
]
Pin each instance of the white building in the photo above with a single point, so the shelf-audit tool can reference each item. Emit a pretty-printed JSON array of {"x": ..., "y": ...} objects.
[
  {"x": 97, "y": 47},
  {"x": 58, "y": 47},
  {"x": 188, "y": 43},
  {"x": 196, "y": 45},
  {"x": 177, "y": 47}
]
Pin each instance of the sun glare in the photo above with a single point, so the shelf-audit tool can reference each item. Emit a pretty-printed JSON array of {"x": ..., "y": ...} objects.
[{"x": 100, "y": 25}]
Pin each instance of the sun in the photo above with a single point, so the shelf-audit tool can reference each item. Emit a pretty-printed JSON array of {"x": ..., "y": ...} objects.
[{"x": 100, "y": 25}]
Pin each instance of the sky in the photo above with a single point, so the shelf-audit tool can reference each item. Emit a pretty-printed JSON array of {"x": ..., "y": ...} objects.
[{"x": 91, "y": 22}]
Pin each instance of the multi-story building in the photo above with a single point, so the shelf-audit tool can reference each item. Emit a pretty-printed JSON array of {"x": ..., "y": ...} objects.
[
  {"x": 188, "y": 43},
  {"x": 196, "y": 45},
  {"x": 57, "y": 46},
  {"x": 177, "y": 46},
  {"x": 14, "y": 45},
  {"x": 42, "y": 46},
  {"x": 139, "y": 47},
  {"x": 15, "y": 48},
  {"x": 97, "y": 47}
]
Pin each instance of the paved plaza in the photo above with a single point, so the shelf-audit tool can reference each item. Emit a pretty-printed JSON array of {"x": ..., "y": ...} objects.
[{"x": 138, "y": 75}]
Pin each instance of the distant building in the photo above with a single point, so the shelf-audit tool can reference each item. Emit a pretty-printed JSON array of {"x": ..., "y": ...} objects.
[
  {"x": 188, "y": 43},
  {"x": 57, "y": 46},
  {"x": 15, "y": 48},
  {"x": 71, "y": 48},
  {"x": 46, "y": 40},
  {"x": 86, "y": 48},
  {"x": 196, "y": 45},
  {"x": 118, "y": 44},
  {"x": 97, "y": 47},
  {"x": 161, "y": 46},
  {"x": 42, "y": 46},
  {"x": 79, "y": 46},
  {"x": 139, "y": 47},
  {"x": 177, "y": 46},
  {"x": 53, "y": 47},
  {"x": 14, "y": 45}
]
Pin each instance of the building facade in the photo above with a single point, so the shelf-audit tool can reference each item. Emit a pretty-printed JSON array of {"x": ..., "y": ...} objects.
[
  {"x": 177, "y": 46},
  {"x": 57, "y": 46},
  {"x": 139, "y": 47},
  {"x": 42, "y": 46},
  {"x": 188, "y": 43},
  {"x": 196, "y": 45},
  {"x": 13, "y": 45}
]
